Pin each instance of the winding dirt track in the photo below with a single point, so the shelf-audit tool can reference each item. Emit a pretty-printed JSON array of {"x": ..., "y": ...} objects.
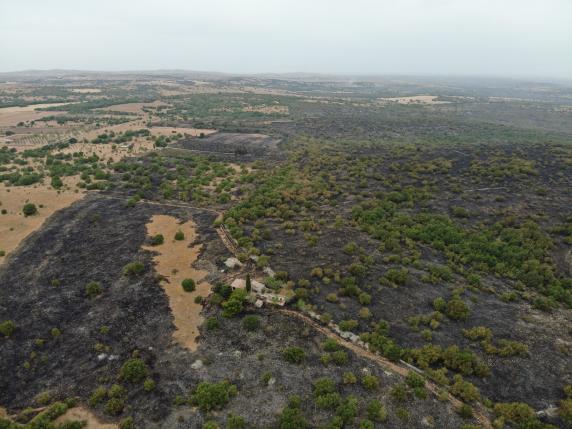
[{"x": 478, "y": 409}]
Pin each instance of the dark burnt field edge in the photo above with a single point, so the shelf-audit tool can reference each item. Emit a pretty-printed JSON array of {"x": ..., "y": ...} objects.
[{"x": 97, "y": 237}]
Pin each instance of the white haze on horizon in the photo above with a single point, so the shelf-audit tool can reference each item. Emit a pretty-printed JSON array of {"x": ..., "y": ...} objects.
[{"x": 513, "y": 38}]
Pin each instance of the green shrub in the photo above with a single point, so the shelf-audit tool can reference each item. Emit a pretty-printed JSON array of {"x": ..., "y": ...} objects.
[
  {"x": 212, "y": 323},
  {"x": 93, "y": 289},
  {"x": 457, "y": 309},
  {"x": 114, "y": 406},
  {"x": 292, "y": 418},
  {"x": 97, "y": 396},
  {"x": 565, "y": 410},
  {"x": 133, "y": 268},
  {"x": 370, "y": 382},
  {"x": 188, "y": 285},
  {"x": 7, "y": 328},
  {"x": 234, "y": 304},
  {"x": 235, "y": 422},
  {"x": 29, "y": 209},
  {"x": 348, "y": 325},
  {"x": 399, "y": 392},
  {"x": 439, "y": 304},
  {"x": 340, "y": 357},
  {"x": 251, "y": 322},
  {"x": 466, "y": 412},
  {"x": 179, "y": 235},
  {"x": 116, "y": 391},
  {"x": 127, "y": 423},
  {"x": 157, "y": 240},
  {"x": 414, "y": 380},
  {"x": 376, "y": 411},
  {"x": 213, "y": 396},
  {"x": 464, "y": 389},
  {"x": 294, "y": 355},
  {"x": 348, "y": 410},
  {"x": 397, "y": 276},
  {"x": 149, "y": 385},
  {"x": 134, "y": 370},
  {"x": 330, "y": 345},
  {"x": 349, "y": 378},
  {"x": 518, "y": 413},
  {"x": 478, "y": 333},
  {"x": 366, "y": 424},
  {"x": 364, "y": 298}
]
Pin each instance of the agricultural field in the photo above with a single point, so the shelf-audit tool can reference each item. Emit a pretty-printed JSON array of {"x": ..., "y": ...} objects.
[{"x": 185, "y": 250}]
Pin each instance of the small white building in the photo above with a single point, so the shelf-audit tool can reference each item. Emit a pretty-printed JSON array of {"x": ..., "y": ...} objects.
[
  {"x": 257, "y": 287},
  {"x": 238, "y": 284}
]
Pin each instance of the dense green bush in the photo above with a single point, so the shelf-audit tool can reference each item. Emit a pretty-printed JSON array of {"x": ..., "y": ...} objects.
[
  {"x": 251, "y": 322},
  {"x": 213, "y": 396},
  {"x": 7, "y": 328},
  {"x": 134, "y": 370},
  {"x": 157, "y": 240},
  {"x": 234, "y": 304},
  {"x": 29, "y": 209},
  {"x": 188, "y": 285},
  {"x": 294, "y": 355},
  {"x": 133, "y": 268},
  {"x": 93, "y": 289}
]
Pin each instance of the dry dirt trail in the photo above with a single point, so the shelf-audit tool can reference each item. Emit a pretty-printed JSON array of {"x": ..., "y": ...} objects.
[{"x": 478, "y": 409}]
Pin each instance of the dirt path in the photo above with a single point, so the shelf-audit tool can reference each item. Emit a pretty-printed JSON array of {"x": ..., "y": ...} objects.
[{"x": 478, "y": 409}]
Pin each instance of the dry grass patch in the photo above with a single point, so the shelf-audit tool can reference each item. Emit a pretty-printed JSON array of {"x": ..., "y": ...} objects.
[
  {"x": 174, "y": 259},
  {"x": 78, "y": 414},
  {"x": 14, "y": 226}
]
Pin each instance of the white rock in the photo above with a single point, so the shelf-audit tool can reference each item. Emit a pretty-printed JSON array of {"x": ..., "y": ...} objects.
[
  {"x": 269, "y": 271},
  {"x": 198, "y": 364}
]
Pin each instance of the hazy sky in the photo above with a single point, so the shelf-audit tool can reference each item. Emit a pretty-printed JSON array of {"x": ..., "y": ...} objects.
[{"x": 531, "y": 38}]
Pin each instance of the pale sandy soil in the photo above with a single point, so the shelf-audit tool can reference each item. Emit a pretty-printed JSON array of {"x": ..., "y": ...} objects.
[
  {"x": 79, "y": 413},
  {"x": 417, "y": 99},
  {"x": 174, "y": 261},
  {"x": 106, "y": 151},
  {"x": 14, "y": 226},
  {"x": 193, "y": 132},
  {"x": 140, "y": 145},
  {"x": 86, "y": 90},
  {"x": 10, "y": 116}
]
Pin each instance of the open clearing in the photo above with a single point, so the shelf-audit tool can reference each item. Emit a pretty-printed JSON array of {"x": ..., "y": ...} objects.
[
  {"x": 174, "y": 261},
  {"x": 81, "y": 414},
  {"x": 10, "y": 116},
  {"x": 15, "y": 227}
]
